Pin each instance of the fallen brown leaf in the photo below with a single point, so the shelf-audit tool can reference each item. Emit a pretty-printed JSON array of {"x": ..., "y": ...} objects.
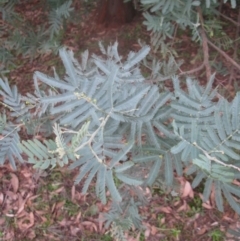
[
  {"x": 21, "y": 203},
  {"x": 73, "y": 191},
  {"x": 207, "y": 205},
  {"x": 74, "y": 230},
  {"x": 90, "y": 224},
  {"x": 11, "y": 196},
  {"x": 187, "y": 191},
  {"x": 165, "y": 209},
  {"x": 1, "y": 198},
  {"x": 100, "y": 222},
  {"x": 201, "y": 230},
  {"x": 77, "y": 219},
  {"x": 154, "y": 230},
  {"x": 184, "y": 207},
  {"x": 2, "y": 221},
  {"x": 26, "y": 222},
  {"x": 57, "y": 191},
  {"x": 147, "y": 233},
  {"x": 30, "y": 199},
  {"x": 31, "y": 234},
  {"x": 14, "y": 182}
]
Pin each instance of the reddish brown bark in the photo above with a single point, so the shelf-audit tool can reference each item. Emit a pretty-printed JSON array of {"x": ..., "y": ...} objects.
[{"x": 115, "y": 11}]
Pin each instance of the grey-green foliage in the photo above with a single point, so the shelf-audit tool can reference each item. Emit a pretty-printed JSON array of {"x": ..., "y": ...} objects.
[
  {"x": 124, "y": 215},
  {"x": 164, "y": 14},
  {"x": 9, "y": 140},
  {"x": 164, "y": 70},
  {"x": 208, "y": 128},
  {"x": 112, "y": 96},
  {"x": 235, "y": 233},
  {"x": 115, "y": 127},
  {"x": 108, "y": 93},
  {"x": 164, "y": 17},
  {"x": 20, "y": 36},
  {"x": 57, "y": 16}
]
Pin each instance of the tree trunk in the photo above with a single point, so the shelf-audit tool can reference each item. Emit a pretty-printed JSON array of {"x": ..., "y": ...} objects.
[{"x": 115, "y": 12}]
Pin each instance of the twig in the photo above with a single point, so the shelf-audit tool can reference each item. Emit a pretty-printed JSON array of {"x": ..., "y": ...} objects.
[
  {"x": 192, "y": 71},
  {"x": 235, "y": 49},
  {"x": 213, "y": 158},
  {"x": 205, "y": 45},
  {"x": 89, "y": 142},
  {"x": 224, "y": 54},
  {"x": 227, "y": 18}
]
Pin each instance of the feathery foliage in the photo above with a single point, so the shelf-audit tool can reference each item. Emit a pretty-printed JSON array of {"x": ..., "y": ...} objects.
[
  {"x": 23, "y": 37},
  {"x": 204, "y": 21},
  {"x": 116, "y": 127}
]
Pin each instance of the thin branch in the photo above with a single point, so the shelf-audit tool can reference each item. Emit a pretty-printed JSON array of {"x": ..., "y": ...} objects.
[
  {"x": 89, "y": 142},
  {"x": 205, "y": 45},
  {"x": 224, "y": 54},
  {"x": 12, "y": 131},
  {"x": 227, "y": 18},
  {"x": 211, "y": 158},
  {"x": 192, "y": 70},
  {"x": 235, "y": 49}
]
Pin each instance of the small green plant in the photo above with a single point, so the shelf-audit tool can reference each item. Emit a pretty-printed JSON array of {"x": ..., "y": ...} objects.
[
  {"x": 106, "y": 237},
  {"x": 141, "y": 238},
  {"x": 52, "y": 187},
  {"x": 216, "y": 235},
  {"x": 47, "y": 223},
  {"x": 159, "y": 218},
  {"x": 172, "y": 232},
  {"x": 71, "y": 208},
  {"x": 175, "y": 233},
  {"x": 195, "y": 206}
]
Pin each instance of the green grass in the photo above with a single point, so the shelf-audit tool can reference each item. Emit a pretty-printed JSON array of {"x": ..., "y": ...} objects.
[
  {"x": 195, "y": 206},
  {"x": 71, "y": 208},
  {"x": 216, "y": 235}
]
